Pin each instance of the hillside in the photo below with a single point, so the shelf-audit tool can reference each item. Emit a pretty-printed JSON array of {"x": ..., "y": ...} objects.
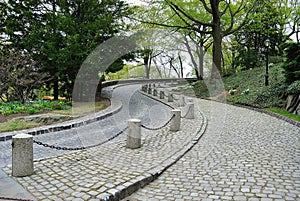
[{"x": 248, "y": 88}]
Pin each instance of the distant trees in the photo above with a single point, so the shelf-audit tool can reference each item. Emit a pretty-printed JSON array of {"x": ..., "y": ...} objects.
[
  {"x": 59, "y": 34},
  {"x": 215, "y": 18}
]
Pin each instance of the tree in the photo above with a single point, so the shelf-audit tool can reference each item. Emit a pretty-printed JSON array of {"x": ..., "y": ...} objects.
[
  {"x": 61, "y": 33},
  {"x": 268, "y": 20},
  {"x": 292, "y": 63},
  {"x": 215, "y": 17},
  {"x": 19, "y": 76}
]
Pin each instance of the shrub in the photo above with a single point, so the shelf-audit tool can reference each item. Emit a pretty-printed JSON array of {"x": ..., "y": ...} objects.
[
  {"x": 292, "y": 63},
  {"x": 294, "y": 88},
  {"x": 31, "y": 111}
]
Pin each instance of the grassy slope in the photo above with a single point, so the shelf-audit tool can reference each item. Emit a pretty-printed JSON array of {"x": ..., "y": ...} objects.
[{"x": 258, "y": 94}]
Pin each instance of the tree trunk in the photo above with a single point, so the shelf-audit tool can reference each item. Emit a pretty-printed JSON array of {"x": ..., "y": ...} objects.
[
  {"x": 147, "y": 67},
  {"x": 200, "y": 53},
  {"x": 55, "y": 88},
  {"x": 217, "y": 38}
]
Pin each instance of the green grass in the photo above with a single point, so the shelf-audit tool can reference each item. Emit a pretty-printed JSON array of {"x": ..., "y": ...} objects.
[
  {"x": 82, "y": 109},
  {"x": 17, "y": 124},
  {"x": 284, "y": 113}
]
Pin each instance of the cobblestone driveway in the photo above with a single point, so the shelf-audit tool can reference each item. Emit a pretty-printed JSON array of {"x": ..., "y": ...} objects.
[
  {"x": 135, "y": 105},
  {"x": 250, "y": 156}
]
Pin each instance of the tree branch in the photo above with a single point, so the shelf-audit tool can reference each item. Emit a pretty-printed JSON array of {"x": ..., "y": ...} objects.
[
  {"x": 206, "y": 7},
  {"x": 186, "y": 15},
  {"x": 230, "y": 30}
]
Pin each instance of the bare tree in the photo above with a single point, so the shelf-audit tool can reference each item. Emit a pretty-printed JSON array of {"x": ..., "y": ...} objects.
[{"x": 19, "y": 76}]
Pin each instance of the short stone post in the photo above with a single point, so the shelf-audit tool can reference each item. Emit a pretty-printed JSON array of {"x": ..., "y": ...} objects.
[
  {"x": 154, "y": 92},
  {"x": 181, "y": 101},
  {"x": 144, "y": 88},
  {"x": 22, "y": 155},
  {"x": 190, "y": 111},
  {"x": 161, "y": 94},
  {"x": 175, "y": 122},
  {"x": 134, "y": 134},
  {"x": 170, "y": 97}
]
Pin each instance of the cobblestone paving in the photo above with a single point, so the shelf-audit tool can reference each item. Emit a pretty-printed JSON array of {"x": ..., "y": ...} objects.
[
  {"x": 90, "y": 174},
  {"x": 250, "y": 156},
  {"x": 135, "y": 105}
]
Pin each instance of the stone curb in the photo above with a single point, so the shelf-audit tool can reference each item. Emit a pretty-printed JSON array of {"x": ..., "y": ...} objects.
[
  {"x": 123, "y": 191},
  {"x": 65, "y": 125},
  {"x": 278, "y": 116}
]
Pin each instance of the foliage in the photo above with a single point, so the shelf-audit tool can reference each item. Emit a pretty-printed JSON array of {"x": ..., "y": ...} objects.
[
  {"x": 292, "y": 63},
  {"x": 33, "y": 107},
  {"x": 19, "y": 76},
  {"x": 267, "y": 21},
  {"x": 294, "y": 88},
  {"x": 216, "y": 19},
  {"x": 60, "y": 34},
  {"x": 247, "y": 88}
]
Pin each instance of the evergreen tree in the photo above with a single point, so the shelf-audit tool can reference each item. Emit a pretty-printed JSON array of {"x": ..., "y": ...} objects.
[{"x": 61, "y": 33}]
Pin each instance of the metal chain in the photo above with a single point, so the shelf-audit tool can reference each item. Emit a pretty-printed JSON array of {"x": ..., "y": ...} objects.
[
  {"x": 78, "y": 148},
  {"x": 186, "y": 113},
  {"x": 8, "y": 198},
  {"x": 153, "y": 129}
]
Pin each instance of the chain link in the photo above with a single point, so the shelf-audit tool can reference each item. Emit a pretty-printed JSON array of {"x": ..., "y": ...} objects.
[
  {"x": 186, "y": 113},
  {"x": 9, "y": 198},
  {"x": 78, "y": 148},
  {"x": 153, "y": 129}
]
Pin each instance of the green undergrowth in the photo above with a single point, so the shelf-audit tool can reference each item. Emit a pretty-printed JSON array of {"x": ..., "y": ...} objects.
[{"x": 248, "y": 88}]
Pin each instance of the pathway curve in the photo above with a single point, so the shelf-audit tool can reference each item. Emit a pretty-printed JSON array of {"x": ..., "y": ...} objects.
[
  {"x": 134, "y": 105},
  {"x": 243, "y": 155},
  {"x": 112, "y": 171}
]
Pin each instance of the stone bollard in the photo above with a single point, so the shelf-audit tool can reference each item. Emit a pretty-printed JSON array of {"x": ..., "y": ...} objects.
[
  {"x": 22, "y": 155},
  {"x": 161, "y": 94},
  {"x": 154, "y": 92},
  {"x": 145, "y": 88},
  {"x": 181, "y": 101},
  {"x": 175, "y": 123},
  {"x": 134, "y": 134},
  {"x": 170, "y": 97},
  {"x": 190, "y": 111}
]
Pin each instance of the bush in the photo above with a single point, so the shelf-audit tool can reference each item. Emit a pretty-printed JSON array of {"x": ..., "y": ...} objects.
[
  {"x": 33, "y": 107},
  {"x": 31, "y": 111},
  {"x": 292, "y": 63},
  {"x": 294, "y": 88}
]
